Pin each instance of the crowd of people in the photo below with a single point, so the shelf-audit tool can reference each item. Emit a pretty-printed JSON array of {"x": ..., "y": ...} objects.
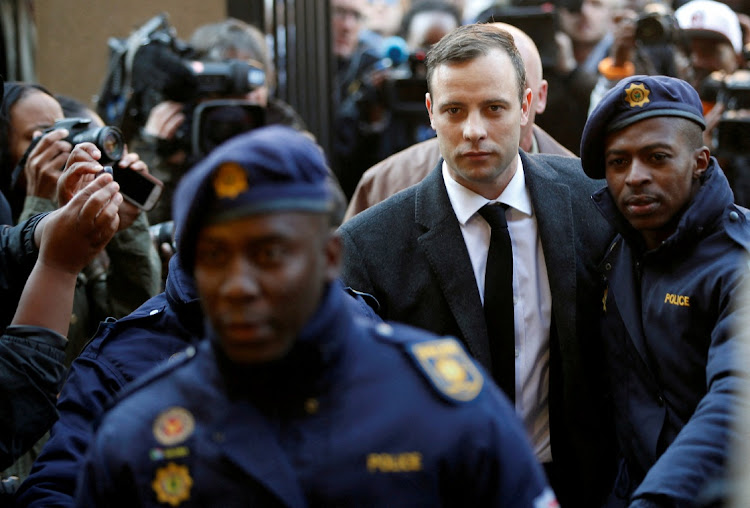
[{"x": 524, "y": 288}]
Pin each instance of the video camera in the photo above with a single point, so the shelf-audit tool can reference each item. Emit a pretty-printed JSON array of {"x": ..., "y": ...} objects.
[
  {"x": 657, "y": 25},
  {"x": 733, "y": 129},
  {"x": 152, "y": 65}
]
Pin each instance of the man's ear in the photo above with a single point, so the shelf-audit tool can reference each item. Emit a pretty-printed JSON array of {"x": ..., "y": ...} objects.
[
  {"x": 541, "y": 97},
  {"x": 525, "y": 106},
  {"x": 702, "y": 159},
  {"x": 334, "y": 255},
  {"x": 428, "y": 105}
]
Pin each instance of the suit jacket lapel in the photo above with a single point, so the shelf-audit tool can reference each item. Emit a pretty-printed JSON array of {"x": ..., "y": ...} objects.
[
  {"x": 553, "y": 208},
  {"x": 446, "y": 253}
]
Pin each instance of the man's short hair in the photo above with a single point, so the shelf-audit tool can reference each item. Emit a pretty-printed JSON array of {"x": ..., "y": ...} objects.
[{"x": 468, "y": 42}]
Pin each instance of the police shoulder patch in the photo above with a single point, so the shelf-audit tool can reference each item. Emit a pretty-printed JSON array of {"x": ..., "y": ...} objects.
[{"x": 448, "y": 368}]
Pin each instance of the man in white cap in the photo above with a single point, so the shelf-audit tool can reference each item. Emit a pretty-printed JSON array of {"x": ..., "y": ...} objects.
[{"x": 713, "y": 31}]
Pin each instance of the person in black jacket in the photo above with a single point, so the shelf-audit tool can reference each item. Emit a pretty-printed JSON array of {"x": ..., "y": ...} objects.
[{"x": 50, "y": 249}]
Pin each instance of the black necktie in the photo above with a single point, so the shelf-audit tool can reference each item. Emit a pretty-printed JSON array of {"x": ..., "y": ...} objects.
[{"x": 498, "y": 299}]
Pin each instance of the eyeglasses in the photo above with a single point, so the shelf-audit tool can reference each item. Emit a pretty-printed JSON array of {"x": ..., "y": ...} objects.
[{"x": 344, "y": 12}]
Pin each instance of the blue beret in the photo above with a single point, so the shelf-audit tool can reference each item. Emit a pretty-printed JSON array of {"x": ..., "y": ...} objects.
[
  {"x": 634, "y": 99},
  {"x": 269, "y": 169}
]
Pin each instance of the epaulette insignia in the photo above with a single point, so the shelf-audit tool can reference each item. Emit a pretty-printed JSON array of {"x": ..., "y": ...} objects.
[
  {"x": 637, "y": 95},
  {"x": 230, "y": 180},
  {"x": 172, "y": 484},
  {"x": 448, "y": 367}
]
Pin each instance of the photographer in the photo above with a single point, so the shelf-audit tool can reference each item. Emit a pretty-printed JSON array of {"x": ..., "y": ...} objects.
[
  {"x": 112, "y": 285},
  {"x": 160, "y": 138},
  {"x": 648, "y": 42}
]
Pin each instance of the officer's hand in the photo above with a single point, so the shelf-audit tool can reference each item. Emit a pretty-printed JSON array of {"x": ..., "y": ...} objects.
[
  {"x": 71, "y": 236},
  {"x": 128, "y": 211},
  {"x": 80, "y": 169},
  {"x": 44, "y": 163},
  {"x": 164, "y": 120}
]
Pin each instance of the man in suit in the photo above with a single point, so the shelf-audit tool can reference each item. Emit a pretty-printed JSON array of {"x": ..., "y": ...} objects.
[
  {"x": 409, "y": 166},
  {"x": 422, "y": 253}
]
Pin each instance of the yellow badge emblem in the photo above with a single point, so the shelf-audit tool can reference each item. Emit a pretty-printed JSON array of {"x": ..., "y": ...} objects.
[
  {"x": 172, "y": 484},
  {"x": 173, "y": 426},
  {"x": 637, "y": 95},
  {"x": 604, "y": 299},
  {"x": 449, "y": 368},
  {"x": 230, "y": 180}
]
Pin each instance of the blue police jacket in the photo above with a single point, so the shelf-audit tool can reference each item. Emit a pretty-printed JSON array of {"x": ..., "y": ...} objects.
[
  {"x": 121, "y": 351},
  {"x": 669, "y": 344},
  {"x": 357, "y": 414}
]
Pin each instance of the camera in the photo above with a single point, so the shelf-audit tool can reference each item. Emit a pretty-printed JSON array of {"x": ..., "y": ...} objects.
[
  {"x": 162, "y": 232},
  {"x": 153, "y": 65},
  {"x": 108, "y": 140},
  {"x": 657, "y": 28},
  {"x": 733, "y": 129}
]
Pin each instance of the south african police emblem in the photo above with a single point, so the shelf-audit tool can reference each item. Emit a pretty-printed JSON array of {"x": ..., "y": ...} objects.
[
  {"x": 448, "y": 368},
  {"x": 173, "y": 426},
  {"x": 230, "y": 180},
  {"x": 637, "y": 95},
  {"x": 172, "y": 484}
]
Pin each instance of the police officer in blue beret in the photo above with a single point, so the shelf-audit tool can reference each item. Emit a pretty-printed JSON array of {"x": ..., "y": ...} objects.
[
  {"x": 292, "y": 400},
  {"x": 672, "y": 275}
]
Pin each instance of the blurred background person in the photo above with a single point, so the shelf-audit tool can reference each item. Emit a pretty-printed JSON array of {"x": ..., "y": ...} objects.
[{"x": 720, "y": 76}]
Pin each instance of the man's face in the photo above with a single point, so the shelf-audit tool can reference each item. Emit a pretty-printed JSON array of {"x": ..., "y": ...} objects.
[
  {"x": 477, "y": 115},
  {"x": 708, "y": 55},
  {"x": 652, "y": 172},
  {"x": 34, "y": 112},
  {"x": 590, "y": 24},
  {"x": 346, "y": 23},
  {"x": 261, "y": 278}
]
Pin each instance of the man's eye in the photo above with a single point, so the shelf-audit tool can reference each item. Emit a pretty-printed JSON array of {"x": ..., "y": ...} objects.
[
  {"x": 211, "y": 256},
  {"x": 270, "y": 255}
]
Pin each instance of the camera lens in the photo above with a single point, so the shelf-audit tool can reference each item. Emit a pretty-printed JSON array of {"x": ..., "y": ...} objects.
[{"x": 111, "y": 143}]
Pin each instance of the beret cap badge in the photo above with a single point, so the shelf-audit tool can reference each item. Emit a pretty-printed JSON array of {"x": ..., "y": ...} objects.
[
  {"x": 637, "y": 95},
  {"x": 230, "y": 180}
]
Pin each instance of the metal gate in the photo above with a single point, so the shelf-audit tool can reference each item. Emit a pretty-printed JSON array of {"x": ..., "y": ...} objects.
[{"x": 299, "y": 32}]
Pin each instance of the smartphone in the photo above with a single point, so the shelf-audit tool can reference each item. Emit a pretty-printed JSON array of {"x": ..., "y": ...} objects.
[{"x": 141, "y": 189}]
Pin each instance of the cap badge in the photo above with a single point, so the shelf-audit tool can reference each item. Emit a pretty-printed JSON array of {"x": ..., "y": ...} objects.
[
  {"x": 173, "y": 426},
  {"x": 230, "y": 180},
  {"x": 637, "y": 95},
  {"x": 172, "y": 484}
]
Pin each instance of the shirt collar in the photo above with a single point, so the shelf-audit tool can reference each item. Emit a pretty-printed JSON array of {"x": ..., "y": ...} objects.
[{"x": 466, "y": 202}]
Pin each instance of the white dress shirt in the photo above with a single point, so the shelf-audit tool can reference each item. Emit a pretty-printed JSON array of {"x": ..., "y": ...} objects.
[{"x": 532, "y": 300}]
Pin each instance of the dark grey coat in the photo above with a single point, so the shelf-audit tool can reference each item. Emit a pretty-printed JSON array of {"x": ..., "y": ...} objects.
[{"x": 408, "y": 252}]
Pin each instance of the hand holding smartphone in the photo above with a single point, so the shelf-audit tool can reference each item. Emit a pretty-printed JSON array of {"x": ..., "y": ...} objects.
[{"x": 141, "y": 189}]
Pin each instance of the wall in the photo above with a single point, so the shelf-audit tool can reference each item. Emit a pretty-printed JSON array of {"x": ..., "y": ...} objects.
[{"x": 72, "y": 36}]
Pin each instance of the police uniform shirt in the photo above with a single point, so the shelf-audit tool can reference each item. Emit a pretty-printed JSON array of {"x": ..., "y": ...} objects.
[{"x": 532, "y": 299}]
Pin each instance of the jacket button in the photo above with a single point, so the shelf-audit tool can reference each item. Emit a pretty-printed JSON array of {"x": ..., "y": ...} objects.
[
  {"x": 311, "y": 406},
  {"x": 608, "y": 266},
  {"x": 734, "y": 216}
]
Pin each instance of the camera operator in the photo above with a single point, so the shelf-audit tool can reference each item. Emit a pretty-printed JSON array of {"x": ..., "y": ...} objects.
[
  {"x": 424, "y": 23},
  {"x": 648, "y": 42},
  {"x": 225, "y": 41},
  {"x": 715, "y": 38},
  {"x": 129, "y": 273}
]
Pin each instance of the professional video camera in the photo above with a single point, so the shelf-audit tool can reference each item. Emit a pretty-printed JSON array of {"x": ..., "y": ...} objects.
[
  {"x": 153, "y": 65},
  {"x": 733, "y": 129},
  {"x": 657, "y": 25}
]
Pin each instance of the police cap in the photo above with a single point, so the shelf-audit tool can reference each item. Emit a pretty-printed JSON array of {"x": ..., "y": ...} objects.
[
  {"x": 269, "y": 169},
  {"x": 634, "y": 99}
]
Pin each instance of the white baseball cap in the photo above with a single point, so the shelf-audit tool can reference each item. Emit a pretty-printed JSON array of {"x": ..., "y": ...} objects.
[{"x": 711, "y": 18}]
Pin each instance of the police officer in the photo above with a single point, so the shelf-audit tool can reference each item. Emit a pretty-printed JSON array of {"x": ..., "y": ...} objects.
[
  {"x": 672, "y": 275},
  {"x": 292, "y": 400}
]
